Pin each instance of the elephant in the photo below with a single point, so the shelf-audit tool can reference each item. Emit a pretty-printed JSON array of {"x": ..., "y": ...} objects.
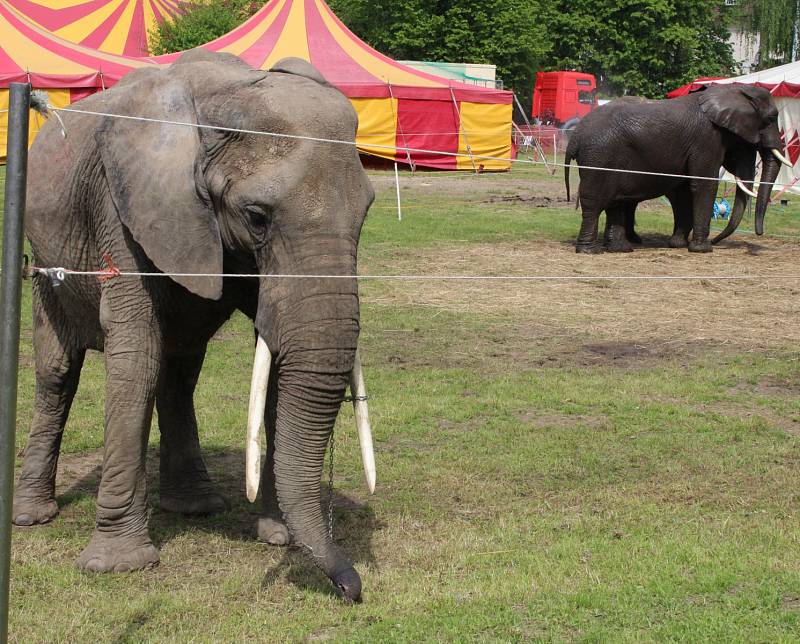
[
  {"x": 186, "y": 198},
  {"x": 694, "y": 135}
]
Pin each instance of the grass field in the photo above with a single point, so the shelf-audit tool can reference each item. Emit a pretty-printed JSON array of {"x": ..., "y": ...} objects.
[{"x": 557, "y": 461}]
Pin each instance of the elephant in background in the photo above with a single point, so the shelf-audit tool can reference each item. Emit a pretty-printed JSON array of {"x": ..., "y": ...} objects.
[
  {"x": 719, "y": 125},
  {"x": 196, "y": 203}
]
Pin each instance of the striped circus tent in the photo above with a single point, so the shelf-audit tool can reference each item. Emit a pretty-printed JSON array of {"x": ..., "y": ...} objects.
[
  {"x": 398, "y": 107},
  {"x": 68, "y": 72},
  {"x": 113, "y": 26}
]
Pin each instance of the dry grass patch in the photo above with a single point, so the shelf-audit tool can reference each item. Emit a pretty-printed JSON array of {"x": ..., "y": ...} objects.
[{"x": 621, "y": 317}]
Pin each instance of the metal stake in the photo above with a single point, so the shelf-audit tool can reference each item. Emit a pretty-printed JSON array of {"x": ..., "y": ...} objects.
[{"x": 14, "y": 217}]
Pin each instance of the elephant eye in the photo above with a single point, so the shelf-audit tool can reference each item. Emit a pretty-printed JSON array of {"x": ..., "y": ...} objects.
[{"x": 256, "y": 217}]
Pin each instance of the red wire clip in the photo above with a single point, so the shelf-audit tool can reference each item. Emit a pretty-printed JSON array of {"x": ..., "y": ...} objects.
[{"x": 111, "y": 271}]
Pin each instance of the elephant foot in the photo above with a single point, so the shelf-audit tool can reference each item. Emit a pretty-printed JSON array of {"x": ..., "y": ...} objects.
[
  {"x": 620, "y": 247},
  {"x": 348, "y": 585},
  {"x": 273, "y": 531},
  {"x": 118, "y": 554},
  {"x": 700, "y": 246},
  {"x": 591, "y": 249},
  {"x": 27, "y": 512},
  {"x": 678, "y": 241},
  {"x": 194, "y": 503}
]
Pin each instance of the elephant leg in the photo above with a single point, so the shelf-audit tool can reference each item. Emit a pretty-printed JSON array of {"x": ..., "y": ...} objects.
[
  {"x": 681, "y": 201},
  {"x": 185, "y": 485},
  {"x": 58, "y": 361},
  {"x": 630, "y": 224},
  {"x": 617, "y": 243},
  {"x": 120, "y": 542},
  {"x": 271, "y": 526},
  {"x": 703, "y": 194},
  {"x": 587, "y": 237}
]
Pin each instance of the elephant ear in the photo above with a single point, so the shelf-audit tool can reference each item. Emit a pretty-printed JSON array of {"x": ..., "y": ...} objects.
[
  {"x": 152, "y": 170},
  {"x": 733, "y": 109}
]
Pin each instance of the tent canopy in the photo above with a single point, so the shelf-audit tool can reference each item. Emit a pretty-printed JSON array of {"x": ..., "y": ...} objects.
[
  {"x": 29, "y": 53},
  {"x": 398, "y": 106},
  {"x": 782, "y": 81},
  {"x": 114, "y": 26},
  {"x": 67, "y": 71}
]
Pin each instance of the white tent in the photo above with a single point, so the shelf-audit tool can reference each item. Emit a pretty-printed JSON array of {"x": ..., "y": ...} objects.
[{"x": 783, "y": 82}]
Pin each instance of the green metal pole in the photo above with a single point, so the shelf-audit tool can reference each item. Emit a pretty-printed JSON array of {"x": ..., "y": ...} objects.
[{"x": 10, "y": 294}]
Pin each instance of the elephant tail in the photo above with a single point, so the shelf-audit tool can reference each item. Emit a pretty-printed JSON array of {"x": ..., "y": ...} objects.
[{"x": 567, "y": 162}]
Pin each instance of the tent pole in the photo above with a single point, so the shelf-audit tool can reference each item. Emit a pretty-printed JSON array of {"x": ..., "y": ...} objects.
[
  {"x": 16, "y": 180},
  {"x": 537, "y": 144},
  {"x": 397, "y": 184},
  {"x": 462, "y": 130},
  {"x": 400, "y": 127}
]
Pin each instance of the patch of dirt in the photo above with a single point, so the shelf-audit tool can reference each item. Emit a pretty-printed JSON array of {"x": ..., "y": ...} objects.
[
  {"x": 529, "y": 199},
  {"x": 594, "y": 321},
  {"x": 543, "y": 419},
  {"x": 789, "y": 423},
  {"x": 771, "y": 386}
]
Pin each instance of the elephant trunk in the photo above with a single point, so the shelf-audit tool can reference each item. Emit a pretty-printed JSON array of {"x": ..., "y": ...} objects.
[
  {"x": 771, "y": 167},
  {"x": 313, "y": 338},
  {"x": 307, "y": 406}
]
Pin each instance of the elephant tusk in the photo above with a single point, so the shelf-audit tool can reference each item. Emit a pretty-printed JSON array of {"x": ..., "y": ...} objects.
[
  {"x": 359, "y": 393},
  {"x": 781, "y": 158},
  {"x": 744, "y": 188},
  {"x": 255, "y": 417}
]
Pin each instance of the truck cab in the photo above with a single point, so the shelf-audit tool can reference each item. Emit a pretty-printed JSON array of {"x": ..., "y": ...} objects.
[{"x": 562, "y": 98}]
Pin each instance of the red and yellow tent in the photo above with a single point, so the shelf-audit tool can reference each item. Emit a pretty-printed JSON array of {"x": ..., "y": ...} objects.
[
  {"x": 67, "y": 71},
  {"x": 398, "y": 107},
  {"x": 113, "y": 26},
  {"x": 404, "y": 114}
]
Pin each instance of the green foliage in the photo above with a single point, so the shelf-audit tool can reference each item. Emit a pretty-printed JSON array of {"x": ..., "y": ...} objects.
[
  {"x": 645, "y": 47},
  {"x": 775, "y": 22},
  {"x": 511, "y": 34},
  {"x": 200, "y": 23}
]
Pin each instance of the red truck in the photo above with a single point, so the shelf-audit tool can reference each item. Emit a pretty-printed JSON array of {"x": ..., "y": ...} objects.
[{"x": 561, "y": 99}]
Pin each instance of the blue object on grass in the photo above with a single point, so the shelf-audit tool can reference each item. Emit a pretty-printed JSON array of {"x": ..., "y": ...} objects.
[{"x": 722, "y": 209}]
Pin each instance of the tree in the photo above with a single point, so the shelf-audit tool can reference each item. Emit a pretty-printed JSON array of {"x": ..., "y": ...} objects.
[
  {"x": 776, "y": 22},
  {"x": 511, "y": 34},
  {"x": 201, "y": 22},
  {"x": 644, "y": 47}
]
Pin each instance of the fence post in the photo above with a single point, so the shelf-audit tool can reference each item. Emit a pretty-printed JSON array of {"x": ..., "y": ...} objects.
[{"x": 13, "y": 221}]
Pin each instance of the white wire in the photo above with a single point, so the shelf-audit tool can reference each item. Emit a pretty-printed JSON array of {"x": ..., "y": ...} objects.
[
  {"x": 417, "y": 278},
  {"x": 376, "y": 146}
]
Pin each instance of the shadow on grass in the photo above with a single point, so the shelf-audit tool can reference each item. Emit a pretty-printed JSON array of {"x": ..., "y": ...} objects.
[{"x": 354, "y": 522}]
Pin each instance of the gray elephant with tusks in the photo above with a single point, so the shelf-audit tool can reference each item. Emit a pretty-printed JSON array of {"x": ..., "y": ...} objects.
[
  {"x": 197, "y": 202},
  {"x": 659, "y": 143}
]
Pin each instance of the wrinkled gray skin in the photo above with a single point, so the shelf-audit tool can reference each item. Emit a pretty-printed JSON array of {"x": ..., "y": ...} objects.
[
  {"x": 721, "y": 125},
  {"x": 185, "y": 200}
]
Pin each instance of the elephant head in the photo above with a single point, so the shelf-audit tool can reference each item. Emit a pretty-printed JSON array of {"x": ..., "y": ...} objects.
[
  {"x": 748, "y": 117},
  {"x": 205, "y": 199}
]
